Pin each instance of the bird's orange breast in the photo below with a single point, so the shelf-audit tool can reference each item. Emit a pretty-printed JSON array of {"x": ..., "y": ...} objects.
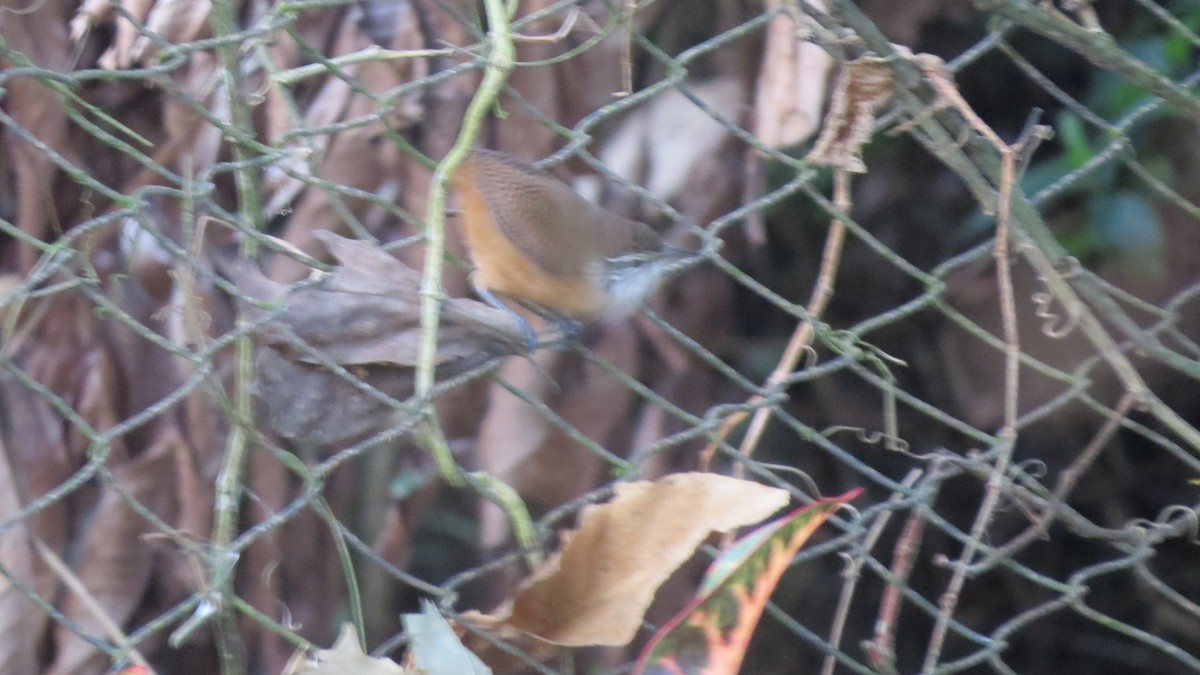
[{"x": 502, "y": 267}]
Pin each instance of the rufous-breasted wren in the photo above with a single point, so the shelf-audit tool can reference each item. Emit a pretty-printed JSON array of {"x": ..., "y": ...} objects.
[{"x": 535, "y": 241}]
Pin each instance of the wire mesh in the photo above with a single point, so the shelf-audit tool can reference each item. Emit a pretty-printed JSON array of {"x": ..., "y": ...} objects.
[{"x": 1002, "y": 350}]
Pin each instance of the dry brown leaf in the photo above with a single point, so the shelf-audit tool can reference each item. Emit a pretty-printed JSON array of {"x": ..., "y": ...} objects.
[
  {"x": 301, "y": 399},
  {"x": 863, "y": 86},
  {"x": 360, "y": 157},
  {"x": 596, "y": 403},
  {"x": 659, "y": 145},
  {"x": 34, "y": 444},
  {"x": 176, "y": 21},
  {"x": 596, "y": 590},
  {"x": 42, "y": 37},
  {"x": 94, "y": 13},
  {"x": 115, "y": 563},
  {"x": 791, "y": 85},
  {"x": 283, "y": 178},
  {"x": 345, "y": 657},
  {"x": 364, "y": 316},
  {"x": 19, "y": 617},
  {"x": 352, "y": 160},
  {"x": 368, "y": 311},
  {"x": 56, "y": 346},
  {"x": 511, "y": 431}
]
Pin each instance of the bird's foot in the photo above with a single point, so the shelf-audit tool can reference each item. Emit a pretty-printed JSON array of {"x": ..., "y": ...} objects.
[
  {"x": 569, "y": 329},
  {"x": 531, "y": 341}
]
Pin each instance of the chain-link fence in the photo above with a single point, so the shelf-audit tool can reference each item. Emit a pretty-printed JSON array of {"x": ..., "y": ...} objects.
[{"x": 215, "y": 439}]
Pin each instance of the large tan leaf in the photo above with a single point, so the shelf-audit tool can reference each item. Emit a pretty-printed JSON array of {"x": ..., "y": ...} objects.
[
  {"x": 596, "y": 590},
  {"x": 710, "y": 636}
]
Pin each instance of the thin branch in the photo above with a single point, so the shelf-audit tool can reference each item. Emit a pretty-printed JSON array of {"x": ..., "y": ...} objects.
[
  {"x": 1007, "y": 438},
  {"x": 89, "y": 601},
  {"x": 371, "y": 54},
  {"x": 801, "y": 339},
  {"x": 854, "y": 569}
]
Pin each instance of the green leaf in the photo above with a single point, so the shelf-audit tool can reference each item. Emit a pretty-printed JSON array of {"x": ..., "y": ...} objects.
[{"x": 1073, "y": 136}]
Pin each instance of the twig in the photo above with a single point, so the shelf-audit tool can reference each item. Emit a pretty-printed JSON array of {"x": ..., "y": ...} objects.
[
  {"x": 73, "y": 583},
  {"x": 881, "y": 649},
  {"x": 374, "y": 53},
  {"x": 228, "y": 497},
  {"x": 801, "y": 339},
  {"x": 854, "y": 568}
]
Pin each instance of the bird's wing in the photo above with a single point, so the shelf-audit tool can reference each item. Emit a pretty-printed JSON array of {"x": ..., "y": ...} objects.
[{"x": 540, "y": 214}]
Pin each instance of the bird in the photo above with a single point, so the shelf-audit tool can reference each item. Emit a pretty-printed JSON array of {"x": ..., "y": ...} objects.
[{"x": 536, "y": 242}]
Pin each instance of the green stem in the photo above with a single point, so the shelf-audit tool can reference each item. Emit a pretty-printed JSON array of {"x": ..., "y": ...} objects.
[
  {"x": 500, "y": 62},
  {"x": 229, "y": 485},
  {"x": 224, "y": 21}
]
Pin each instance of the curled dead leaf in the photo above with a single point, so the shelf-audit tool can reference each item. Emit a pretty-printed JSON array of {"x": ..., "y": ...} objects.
[
  {"x": 863, "y": 86},
  {"x": 365, "y": 317}
]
